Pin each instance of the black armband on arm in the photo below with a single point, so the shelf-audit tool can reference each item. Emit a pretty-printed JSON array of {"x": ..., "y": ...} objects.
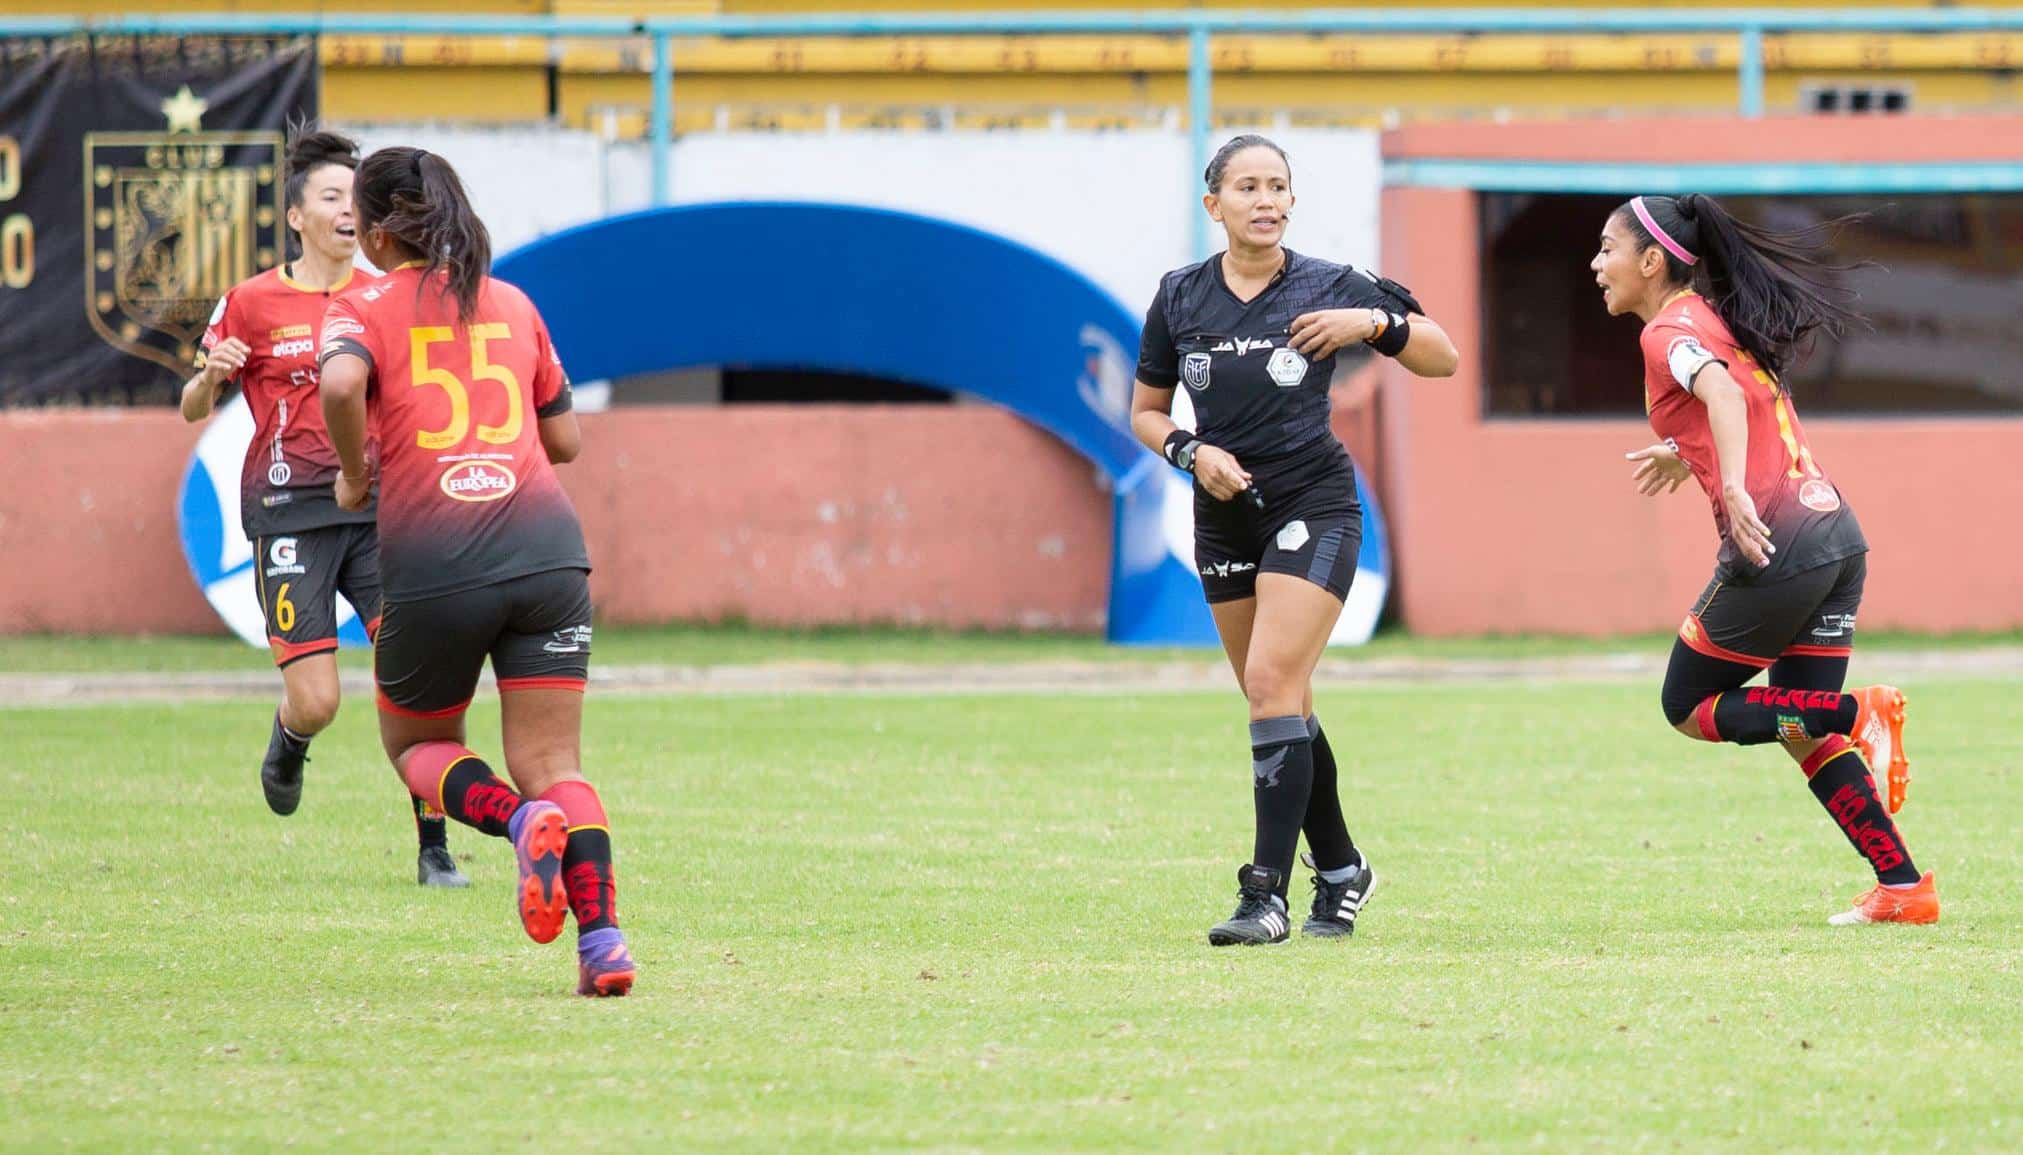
[{"x": 1390, "y": 340}]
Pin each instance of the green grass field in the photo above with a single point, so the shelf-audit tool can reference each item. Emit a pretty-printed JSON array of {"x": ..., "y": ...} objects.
[{"x": 976, "y": 923}]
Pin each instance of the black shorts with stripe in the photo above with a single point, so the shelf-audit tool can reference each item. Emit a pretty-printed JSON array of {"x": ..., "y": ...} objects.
[
  {"x": 1311, "y": 526},
  {"x": 536, "y": 630},
  {"x": 298, "y": 577},
  {"x": 1809, "y": 614}
]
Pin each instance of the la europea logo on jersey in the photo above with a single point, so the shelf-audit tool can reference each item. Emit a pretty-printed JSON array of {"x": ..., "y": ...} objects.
[{"x": 479, "y": 480}]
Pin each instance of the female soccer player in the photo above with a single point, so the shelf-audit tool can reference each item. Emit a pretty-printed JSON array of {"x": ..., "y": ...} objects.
[
  {"x": 1252, "y": 332},
  {"x": 482, "y": 551},
  {"x": 1727, "y": 307},
  {"x": 305, "y": 548}
]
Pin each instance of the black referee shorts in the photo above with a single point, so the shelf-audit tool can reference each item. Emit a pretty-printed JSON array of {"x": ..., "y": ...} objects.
[{"x": 1311, "y": 526}]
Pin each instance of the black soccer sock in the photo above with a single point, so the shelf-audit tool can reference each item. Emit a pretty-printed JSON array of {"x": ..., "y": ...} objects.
[
  {"x": 1843, "y": 784},
  {"x": 431, "y": 826},
  {"x": 464, "y": 787},
  {"x": 1327, "y": 832},
  {"x": 587, "y": 873},
  {"x": 1282, "y": 780},
  {"x": 1772, "y": 714},
  {"x": 297, "y": 744}
]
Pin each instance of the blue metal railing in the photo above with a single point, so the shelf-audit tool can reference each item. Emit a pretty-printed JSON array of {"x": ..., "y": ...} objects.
[{"x": 1748, "y": 25}]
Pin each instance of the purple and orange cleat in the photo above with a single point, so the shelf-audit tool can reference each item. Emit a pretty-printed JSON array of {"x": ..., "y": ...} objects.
[
  {"x": 540, "y": 833},
  {"x": 604, "y": 966}
]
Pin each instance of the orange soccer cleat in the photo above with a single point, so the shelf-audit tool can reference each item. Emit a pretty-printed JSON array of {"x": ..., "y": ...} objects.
[
  {"x": 540, "y": 836},
  {"x": 1879, "y": 732},
  {"x": 1918, "y": 903}
]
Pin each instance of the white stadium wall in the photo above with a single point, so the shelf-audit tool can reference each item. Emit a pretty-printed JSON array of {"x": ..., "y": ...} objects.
[{"x": 1115, "y": 206}]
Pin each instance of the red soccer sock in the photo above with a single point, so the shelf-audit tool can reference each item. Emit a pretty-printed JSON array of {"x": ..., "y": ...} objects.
[
  {"x": 586, "y": 861},
  {"x": 458, "y": 783}
]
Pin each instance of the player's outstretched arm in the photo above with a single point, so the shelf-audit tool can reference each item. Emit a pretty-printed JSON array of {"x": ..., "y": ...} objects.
[
  {"x": 1728, "y": 417},
  {"x": 1659, "y": 469},
  {"x": 200, "y": 392},
  {"x": 1428, "y": 351}
]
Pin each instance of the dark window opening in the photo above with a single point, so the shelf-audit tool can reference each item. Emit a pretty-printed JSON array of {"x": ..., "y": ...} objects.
[{"x": 1942, "y": 295}]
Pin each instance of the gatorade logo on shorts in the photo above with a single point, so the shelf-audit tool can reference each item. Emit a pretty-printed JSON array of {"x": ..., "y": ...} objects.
[{"x": 220, "y": 557}]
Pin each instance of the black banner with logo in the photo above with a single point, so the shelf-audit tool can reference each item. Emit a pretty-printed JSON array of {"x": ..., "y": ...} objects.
[{"x": 140, "y": 178}]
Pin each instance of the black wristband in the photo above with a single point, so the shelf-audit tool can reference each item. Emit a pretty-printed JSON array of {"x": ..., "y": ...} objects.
[
  {"x": 1176, "y": 441},
  {"x": 1391, "y": 341}
]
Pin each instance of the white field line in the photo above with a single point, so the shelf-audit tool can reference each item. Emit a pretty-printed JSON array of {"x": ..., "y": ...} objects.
[{"x": 31, "y": 691}]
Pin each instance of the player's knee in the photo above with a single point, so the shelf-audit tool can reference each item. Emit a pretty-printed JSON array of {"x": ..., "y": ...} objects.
[
  {"x": 1272, "y": 691},
  {"x": 540, "y": 777},
  {"x": 1679, "y": 704},
  {"x": 310, "y": 711}
]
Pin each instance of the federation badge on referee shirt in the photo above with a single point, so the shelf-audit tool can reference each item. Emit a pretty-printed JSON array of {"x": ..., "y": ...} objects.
[{"x": 1194, "y": 371}]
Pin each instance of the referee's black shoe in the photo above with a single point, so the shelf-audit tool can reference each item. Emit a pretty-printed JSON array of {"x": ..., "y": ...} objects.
[
  {"x": 281, "y": 771},
  {"x": 1336, "y": 904},
  {"x": 1260, "y": 916}
]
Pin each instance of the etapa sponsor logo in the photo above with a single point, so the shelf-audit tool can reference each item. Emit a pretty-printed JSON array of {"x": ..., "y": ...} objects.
[
  {"x": 569, "y": 640},
  {"x": 300, "y": 347},
  {"x": 282, "y": 558},
  {"x": 479, "y": 481}
]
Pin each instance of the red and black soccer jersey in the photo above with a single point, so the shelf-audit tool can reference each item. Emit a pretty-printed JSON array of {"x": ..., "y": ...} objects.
[
  {"x": 291, "y": 466},
  {"x": 467, "y": 496},
  {"x": 1810, "y": 523}
]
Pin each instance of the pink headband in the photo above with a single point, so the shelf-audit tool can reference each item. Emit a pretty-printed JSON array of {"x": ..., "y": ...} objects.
[{"x": 1650, "y": 226}]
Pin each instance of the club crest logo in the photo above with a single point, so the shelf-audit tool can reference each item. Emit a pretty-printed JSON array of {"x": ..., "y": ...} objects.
[
  {"x": 173, "y": 220},
  {"x": 1194, "y": 371},
  {"x": 1287, "y": 368}
]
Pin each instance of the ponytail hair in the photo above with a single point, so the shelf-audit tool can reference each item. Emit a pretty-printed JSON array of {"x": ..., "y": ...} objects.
[
  {"x": 1774, "y": 289},
  {"x": 414, "y": 196}
]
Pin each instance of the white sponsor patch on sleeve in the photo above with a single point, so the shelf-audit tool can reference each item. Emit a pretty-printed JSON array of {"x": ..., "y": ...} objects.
[{"x": 1687, "y": 357}]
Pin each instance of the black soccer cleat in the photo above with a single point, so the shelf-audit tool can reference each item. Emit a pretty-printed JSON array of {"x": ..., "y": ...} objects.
[
  {"x": 1336, "y": 904},
  {"x": 1260, "y": 917},
  {"x": 434, "y": 867},
  {"x": 281, "y": 772}
]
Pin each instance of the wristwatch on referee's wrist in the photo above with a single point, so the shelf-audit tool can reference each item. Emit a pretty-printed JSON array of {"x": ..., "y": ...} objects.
[{"x": 1184, "y": 456}]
